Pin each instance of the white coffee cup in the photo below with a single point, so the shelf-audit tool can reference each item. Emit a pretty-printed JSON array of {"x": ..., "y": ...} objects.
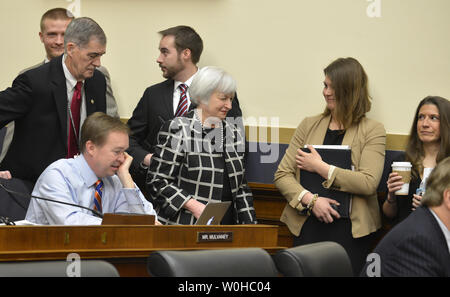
[{"x": 404, "y": 170}]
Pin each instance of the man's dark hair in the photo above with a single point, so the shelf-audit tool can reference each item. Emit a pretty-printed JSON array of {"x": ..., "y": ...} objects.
[
  {"x": 414, "y": 148},
  {"x": 186, "y": 37}
]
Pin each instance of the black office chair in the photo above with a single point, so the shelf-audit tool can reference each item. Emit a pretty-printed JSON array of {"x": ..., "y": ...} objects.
[
  {"x": 323, "y": 259},
  {"x": 14, "y": 206},
  {"x": 242, "y": 262},
  {"x": 87, "y": 268}
]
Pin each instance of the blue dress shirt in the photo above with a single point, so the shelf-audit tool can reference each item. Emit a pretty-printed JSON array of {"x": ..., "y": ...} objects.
[{"x": 73, "y": 181}]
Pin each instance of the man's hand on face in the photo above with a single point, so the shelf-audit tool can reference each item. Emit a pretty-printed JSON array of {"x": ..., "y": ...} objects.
[{"x": 124, "y": 173}]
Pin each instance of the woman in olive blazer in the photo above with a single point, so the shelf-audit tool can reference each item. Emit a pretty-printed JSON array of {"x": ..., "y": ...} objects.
[{"x": 343, "y": 122}]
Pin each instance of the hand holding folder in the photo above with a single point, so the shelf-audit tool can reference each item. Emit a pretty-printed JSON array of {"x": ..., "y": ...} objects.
[
  {"x": 310, "y": 160},
  {"x": 339, "y": 156}
]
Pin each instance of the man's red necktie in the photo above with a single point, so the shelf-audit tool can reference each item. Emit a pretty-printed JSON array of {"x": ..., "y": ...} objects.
[
  {"x": 74, "y": 122},
  {"x": 183, "y": 104}
]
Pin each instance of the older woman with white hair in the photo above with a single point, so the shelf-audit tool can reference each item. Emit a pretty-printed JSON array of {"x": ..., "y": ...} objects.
[{"x": 199, "y": 158}]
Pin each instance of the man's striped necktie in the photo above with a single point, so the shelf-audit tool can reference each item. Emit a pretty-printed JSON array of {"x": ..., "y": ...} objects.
[
  {"x": 98, "y": 195},
  {"x": 183, "y": 104}
]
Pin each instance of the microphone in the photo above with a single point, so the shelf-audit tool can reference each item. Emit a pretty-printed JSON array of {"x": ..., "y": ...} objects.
[{"x": 95, "y": 212}]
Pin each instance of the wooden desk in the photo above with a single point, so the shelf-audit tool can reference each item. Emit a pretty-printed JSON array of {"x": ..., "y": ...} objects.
[
  {"x": 126, "y": 247},
  {"x": 269, "y": 204}
]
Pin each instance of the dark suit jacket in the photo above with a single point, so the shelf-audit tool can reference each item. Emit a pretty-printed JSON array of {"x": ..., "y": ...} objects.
[
  {"x": 37, "y": 102},
  {"x": 154, "y": 108},
  {"x": 187, "y": 164},
  {"x": 414, "y": 247}
]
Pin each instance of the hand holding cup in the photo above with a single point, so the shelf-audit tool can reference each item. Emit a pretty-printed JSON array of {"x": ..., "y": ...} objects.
[{"x": 403, "y": 170}]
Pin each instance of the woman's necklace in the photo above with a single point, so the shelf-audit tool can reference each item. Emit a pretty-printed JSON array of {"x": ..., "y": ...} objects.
[{"x": 212, "y": 128}]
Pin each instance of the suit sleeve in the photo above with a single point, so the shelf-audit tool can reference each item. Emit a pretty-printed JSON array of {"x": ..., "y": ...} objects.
[
  {"x": 244, "y": 197},
  {"x": 138, "y": 125},
  {"x": 111, "y": 105},
  {"x": 16, "y": 101},
  {"x": 365, "y": 179},
  {"x": 244, "y": 204},
  {"x": 414, "y": 256},
  {"x": 164, "y": 168},
  {"x": 285, "y": 176}
]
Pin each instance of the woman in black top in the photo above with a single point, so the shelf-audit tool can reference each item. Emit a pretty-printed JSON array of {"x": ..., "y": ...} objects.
[
  {"x": 311, "y": 217},
  {"x": 428, "y": 144}
]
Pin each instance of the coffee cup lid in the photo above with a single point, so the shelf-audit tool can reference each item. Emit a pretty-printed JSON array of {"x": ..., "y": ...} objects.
[{"x": 401, "y": 164}]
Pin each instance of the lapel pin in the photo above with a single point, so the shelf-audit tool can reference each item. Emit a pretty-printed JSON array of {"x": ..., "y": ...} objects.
[{"x": 92, "y": 101}]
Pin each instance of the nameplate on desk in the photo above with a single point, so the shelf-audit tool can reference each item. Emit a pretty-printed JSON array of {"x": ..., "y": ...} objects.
[{"x": 214, "y": 236}]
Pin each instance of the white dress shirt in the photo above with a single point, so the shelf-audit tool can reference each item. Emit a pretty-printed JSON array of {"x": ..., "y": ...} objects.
[
  {"x": 72, "y": 181},
  {"x": 177, "y": 93},
  {"x": 70, "y": 84}
]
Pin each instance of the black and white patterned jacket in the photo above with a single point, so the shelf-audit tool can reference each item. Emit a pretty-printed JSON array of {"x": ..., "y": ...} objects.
[{"x": 188, "y": 163}]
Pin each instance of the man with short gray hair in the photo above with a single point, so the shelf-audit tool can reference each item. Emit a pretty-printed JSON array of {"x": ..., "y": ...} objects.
[
  {"x": 53, "y": 25},
  {"x": 49, "y": 103}
]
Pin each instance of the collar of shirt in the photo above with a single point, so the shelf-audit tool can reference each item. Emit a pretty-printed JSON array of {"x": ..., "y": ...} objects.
[
  {"x": 187, "y": 83},
  {"x": 87, "y": 173},
  {"x": 70, "y": 80},
  {"x": 177, "y": 92},
  {"x": 443, "y": 227}
]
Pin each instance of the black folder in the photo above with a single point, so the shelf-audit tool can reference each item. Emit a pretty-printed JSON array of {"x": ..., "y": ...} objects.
[{"x": 340, "y": 157}]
